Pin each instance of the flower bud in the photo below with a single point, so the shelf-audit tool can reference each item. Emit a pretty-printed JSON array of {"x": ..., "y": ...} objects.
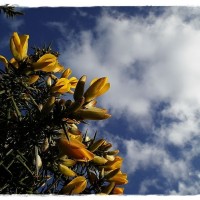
[
  {"x": 96, "y": 145},
  {"x": 73, "y": 129},
  {"x": 114, "y": 152},
  {"x": 106, "y": 146},
  {"x": 99, "y": 160},
  {"x": 97, "y": 88},
  {"x": 48, "y": 105},
  {"x": 49, "y": 81},
  {"x": 40, "y": 107},
  {"x": 76, "y": 105},
  {"x": 32, "y": 79},
  {"x": 38, "y": 161},
  {"x": 66, "y": 73},
  {"x": 102, "y": 173},
  {"x": 79, "y": 90},
  {"x": 111, "y": 173},
  {"x": 68, "y": 162},
  {"x": 19, "y": 46},
  {"x": 92, "y": 113},
  {"x": 66, "y": 171},
  {"x": 110, "y": 157}
]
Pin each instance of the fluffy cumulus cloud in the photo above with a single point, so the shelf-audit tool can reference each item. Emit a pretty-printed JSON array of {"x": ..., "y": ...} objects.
[
  {"x": 149, "y": 60},
  {"x": 141, "y": 156}
]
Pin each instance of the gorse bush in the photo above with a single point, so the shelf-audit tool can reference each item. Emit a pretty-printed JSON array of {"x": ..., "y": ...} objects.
[{"x": 42, "y": 149}]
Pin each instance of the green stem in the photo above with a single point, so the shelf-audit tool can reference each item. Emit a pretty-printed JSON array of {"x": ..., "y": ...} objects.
[{"x": 16, "y": 108}]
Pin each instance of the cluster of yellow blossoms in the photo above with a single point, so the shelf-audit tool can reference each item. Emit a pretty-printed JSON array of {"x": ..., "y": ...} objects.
[{"x": 84, "y": 163}]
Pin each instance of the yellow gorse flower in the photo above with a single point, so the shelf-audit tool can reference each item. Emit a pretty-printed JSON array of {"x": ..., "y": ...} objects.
[
  {"x": 76, "y": 186},
  {"x": 116, "y": 163},
  {"x": 61, "y": 86},
  {"x": 19, "y": 46},
  {"x": 118, "y": 190},
  {"x": 98, "y": 87},
  {"x": 64, "y": 84},
  {"x": 75, "y": 150},
  {"x": 119, "y": 179},
  {"x": 48, "y": 63},
  {"x": 72, "y": 81}
]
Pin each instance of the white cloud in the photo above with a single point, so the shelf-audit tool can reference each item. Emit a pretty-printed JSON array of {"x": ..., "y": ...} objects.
[
  {"x": 189, "y": 188},
  {"x": 13, "y": 25},
  {"x": 57, "y": 25},
  {"x": 144, "y": 187},
  {"x": 143, "y": 156},
  {"x": 149, "y": 61}
]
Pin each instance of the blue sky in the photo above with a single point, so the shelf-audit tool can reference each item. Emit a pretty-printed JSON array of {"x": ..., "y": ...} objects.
[{"x": 151, "y": 56}]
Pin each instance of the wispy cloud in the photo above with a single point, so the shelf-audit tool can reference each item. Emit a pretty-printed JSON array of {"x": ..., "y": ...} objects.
[
  {"x": 149, "y": 60},
  {"x": 9, "y": 24},
  {"x": 146, "y": 184}
]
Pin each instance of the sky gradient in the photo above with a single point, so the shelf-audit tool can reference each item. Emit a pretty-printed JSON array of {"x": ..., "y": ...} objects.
[{"x": 151, "y": 56}]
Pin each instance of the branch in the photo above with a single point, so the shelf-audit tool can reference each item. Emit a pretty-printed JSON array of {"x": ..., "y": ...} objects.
[{"x": 10, "y": 11}]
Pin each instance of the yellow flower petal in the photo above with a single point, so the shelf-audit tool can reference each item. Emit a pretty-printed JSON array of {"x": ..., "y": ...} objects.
[
  {"x": 4, "y": 60},
  {"x": 76, "y": 186},
  {"x": 97, "y": 88},
  {"x": 116, "y": 163},
  {"x": 66, "y": 73},
  {"x": 14, "y": 63},
  {"x": 118, "y": 190},
  {"x": 104, "y": 89},
  {"x": 19, "y": 46},
  {"x": 58, "y": 68},
  {"x": 119, "y": 179},
  {"x": 92, "y": 113},
  {"x": 47, "y": 63},
  {"x": 32, "y": 79},
  {"x": 68, "y": 162},
  {"x": 73, "y": 81},
  {"x": 75, "y": 150},
  {"x": 62, "y": 85}
]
